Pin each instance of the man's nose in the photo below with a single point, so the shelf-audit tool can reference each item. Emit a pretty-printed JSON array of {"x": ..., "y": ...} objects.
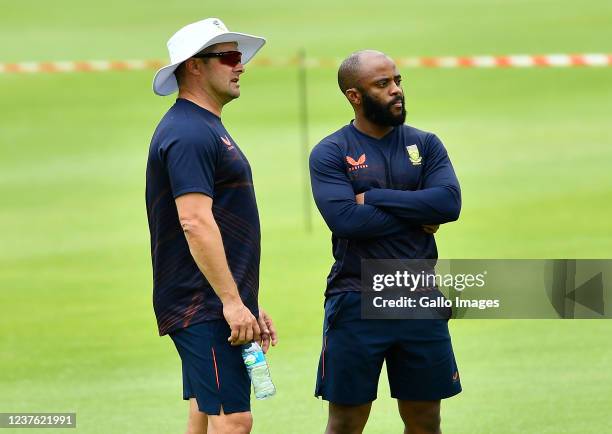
[{"x": 395, "y": 89}]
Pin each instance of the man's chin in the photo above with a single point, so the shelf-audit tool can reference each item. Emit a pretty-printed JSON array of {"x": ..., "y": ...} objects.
[
  {"x": 396, "y": 119},
  {"x": 399, "y": 116},
  {"x": 399, "y": 120},
  {"x": 233, "y": 94}
]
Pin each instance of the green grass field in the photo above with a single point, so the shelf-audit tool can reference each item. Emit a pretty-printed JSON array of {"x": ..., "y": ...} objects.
[{"x": 532, "y": 149}]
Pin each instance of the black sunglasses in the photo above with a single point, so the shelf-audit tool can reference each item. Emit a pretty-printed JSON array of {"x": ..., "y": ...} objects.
[{"x": 229, "y": 58}]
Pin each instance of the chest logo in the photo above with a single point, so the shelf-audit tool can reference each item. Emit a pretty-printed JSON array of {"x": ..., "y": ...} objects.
[
  {"x": 413, "y": 154},
  {"x": 358, "y": 164},
  {"x": 227, "y": 142}
]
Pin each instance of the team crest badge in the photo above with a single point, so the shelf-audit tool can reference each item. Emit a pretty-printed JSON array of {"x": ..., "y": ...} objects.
[{"x": 413, "y": 154}]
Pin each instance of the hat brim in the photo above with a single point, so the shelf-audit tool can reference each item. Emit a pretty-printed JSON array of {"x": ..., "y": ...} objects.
[{"x": 164, "y": 82}]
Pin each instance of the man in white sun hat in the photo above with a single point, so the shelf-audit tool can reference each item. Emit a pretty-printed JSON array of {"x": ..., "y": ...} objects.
[{"x": 204, "y": 226}]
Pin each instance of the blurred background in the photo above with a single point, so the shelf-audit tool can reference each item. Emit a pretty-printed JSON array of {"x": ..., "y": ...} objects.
[{"x": 532, "y": 148}]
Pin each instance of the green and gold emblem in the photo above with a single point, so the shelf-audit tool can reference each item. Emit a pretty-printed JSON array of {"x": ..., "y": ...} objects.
[{"x": 413, "y": 154}]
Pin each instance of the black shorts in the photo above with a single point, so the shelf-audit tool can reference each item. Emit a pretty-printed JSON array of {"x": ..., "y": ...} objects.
[
  {"x": 213, "y": 370},
  {"x": 418, "y": 353}
]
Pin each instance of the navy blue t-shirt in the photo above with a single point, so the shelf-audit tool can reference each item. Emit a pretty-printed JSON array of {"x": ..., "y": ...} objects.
[
  {"x": 192, "y": 152},
  {"x": 408, "y": 181}
]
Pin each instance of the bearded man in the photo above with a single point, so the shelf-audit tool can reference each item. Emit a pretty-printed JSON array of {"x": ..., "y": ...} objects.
[{"x": 383, "y": 188}]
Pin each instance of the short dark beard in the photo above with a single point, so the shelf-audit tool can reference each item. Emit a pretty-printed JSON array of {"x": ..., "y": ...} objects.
[{"x": 380, "y": 114}]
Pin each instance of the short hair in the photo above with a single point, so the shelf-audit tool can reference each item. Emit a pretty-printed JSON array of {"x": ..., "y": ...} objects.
[
  {"x": 348, "y": 73},
  {"x": 350, "y": 69},
  {"x": 179, "y": 72}
]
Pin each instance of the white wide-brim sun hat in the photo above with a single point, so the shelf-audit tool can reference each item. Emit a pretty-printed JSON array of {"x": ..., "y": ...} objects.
[{"x": 194, "y": 38}]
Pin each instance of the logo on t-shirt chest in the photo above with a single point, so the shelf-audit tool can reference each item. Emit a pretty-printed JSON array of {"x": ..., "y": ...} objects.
[
  {"x": 227, "y": 142},
  {"x": 414, "y": 155},
  {"x": 354, "y": 165}
]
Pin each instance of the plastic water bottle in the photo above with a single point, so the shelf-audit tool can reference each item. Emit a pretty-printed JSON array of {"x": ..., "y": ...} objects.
[{"x": 257, "y": 367}]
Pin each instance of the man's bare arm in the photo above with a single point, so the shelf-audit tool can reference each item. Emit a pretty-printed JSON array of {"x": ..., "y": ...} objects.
[{"x": 206, "y": 247}]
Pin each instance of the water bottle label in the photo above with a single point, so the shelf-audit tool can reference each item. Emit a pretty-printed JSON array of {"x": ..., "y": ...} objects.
[{"x": 254, "y": 358}]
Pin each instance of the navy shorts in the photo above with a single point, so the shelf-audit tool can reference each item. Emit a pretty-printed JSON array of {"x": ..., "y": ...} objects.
[
  {"x": 213, "y": 370},
  {"x": 418, "y": 353}
]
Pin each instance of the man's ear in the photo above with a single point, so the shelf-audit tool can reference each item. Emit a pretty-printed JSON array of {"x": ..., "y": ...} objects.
[
  {"x": 192, "y": 66},
  {"x": 353, "y": 95}
]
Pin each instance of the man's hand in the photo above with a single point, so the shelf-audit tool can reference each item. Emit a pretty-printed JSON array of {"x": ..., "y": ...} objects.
[
  {"x": 242, "y": 323},
  {"x": 359, "y": 198},
  {"x": 268, "y": 332},
  {"x": 431, "y": 229}
]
